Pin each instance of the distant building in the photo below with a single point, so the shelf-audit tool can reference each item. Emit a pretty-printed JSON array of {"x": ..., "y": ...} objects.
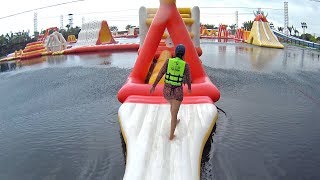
[{"x": 134, "y": 31}]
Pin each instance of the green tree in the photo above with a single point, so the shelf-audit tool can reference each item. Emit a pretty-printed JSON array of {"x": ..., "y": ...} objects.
[
  {"x": 129, "y": 26},
  {"x": 296, "y": 32},
  {"x": 308, "y": 37},
  {"x": 210, "y": 26},
  {"x": 289, "y": 29},
  {"x": 71, "y": 31},
  {"x": 68, "y": 26},
  {"x": 14, "y": 41},
  {"x": 113, "y": 28},
  {"x": 280, "y": 29},
  {"x": 233, "y": 28},
  {"x": 247, "y": 25}
]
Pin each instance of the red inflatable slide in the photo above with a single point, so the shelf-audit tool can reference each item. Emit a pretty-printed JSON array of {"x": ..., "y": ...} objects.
[{"x": 168, "y": 17}]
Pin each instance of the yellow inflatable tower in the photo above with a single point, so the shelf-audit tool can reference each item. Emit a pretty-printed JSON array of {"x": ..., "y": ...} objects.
[{"x": 261, "y": 33}]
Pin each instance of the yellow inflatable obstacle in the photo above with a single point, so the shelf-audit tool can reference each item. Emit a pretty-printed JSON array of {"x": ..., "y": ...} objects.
[
  {"x": 160, "y": 62},
  {"x": 261, "y": 35}
]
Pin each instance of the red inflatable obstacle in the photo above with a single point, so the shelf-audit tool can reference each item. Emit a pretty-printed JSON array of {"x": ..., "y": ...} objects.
[
  {"x": 222, "y": 31},
  {"x": 239, "y": 34},
  {"x": 42, "y": 37},
  {"x": 168, "y": 17}
]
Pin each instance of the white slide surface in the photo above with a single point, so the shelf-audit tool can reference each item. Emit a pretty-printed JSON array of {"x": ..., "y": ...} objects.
[{"x": 150, "y": 154}]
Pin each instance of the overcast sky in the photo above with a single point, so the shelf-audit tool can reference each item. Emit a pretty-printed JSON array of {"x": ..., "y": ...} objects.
[{"x": 123, "y": 12}]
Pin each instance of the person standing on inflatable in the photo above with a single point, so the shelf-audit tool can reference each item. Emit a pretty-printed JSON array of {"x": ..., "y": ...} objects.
[{"x": 176, "y": 72}]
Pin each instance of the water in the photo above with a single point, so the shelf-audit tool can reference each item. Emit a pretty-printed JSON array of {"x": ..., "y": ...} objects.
[{"x": 58, "y": 117}]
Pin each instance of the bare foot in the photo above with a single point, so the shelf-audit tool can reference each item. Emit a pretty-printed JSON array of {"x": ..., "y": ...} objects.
[{"x": 172, "y": 137}]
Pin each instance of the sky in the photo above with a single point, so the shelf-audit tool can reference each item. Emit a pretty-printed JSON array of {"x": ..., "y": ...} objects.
[{"x": 123, "y": 12}]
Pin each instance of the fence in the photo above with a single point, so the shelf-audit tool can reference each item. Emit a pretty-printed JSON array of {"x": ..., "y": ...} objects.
[{"x": 293, "y": 40}]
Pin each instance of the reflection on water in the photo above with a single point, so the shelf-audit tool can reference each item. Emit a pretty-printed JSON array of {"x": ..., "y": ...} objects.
[
  {"x": 206, "y": 165},
  {"x": 253, "y": 58},
  {"x": 61, "y": 123},
  {"x": 7, "y": 66},
  {"x": 58, "y": 59},
  {"x": 123, "y": 145},
  {"x": 228, "y": 55},
  {"x": 122, "y": 60},
  {"x": 259, "y": 57},
  {"x": 34, "y": 61}
]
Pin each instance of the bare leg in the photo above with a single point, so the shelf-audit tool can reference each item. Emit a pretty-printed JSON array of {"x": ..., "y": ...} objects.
[
  {"x": 171, "y": 110},
  {"x": 171, "y": 113},
  {"x": 175, "y": 109}
]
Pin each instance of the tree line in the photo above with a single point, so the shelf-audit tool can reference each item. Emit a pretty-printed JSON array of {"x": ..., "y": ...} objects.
[{"x": 14, "y": 41}]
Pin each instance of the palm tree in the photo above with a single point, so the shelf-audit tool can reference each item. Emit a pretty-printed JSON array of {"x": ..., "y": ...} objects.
[
  {"x": 280, "y": 29},
  {"x": 129, "y": 26},
  {"x": 296, "y": 32},
  {"x": 68, "y": 26},
  {"x": 210, "y": 26},
  {"x": 289, "y": 29}
]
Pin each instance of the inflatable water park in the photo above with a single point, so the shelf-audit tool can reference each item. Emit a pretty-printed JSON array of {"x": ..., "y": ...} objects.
[
  {"x": 144, "y": 118},
  {"x": 96, "y": 36}
]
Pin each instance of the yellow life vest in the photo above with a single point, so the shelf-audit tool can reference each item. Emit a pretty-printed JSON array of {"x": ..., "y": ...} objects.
[{"x": 175, "y": 71}]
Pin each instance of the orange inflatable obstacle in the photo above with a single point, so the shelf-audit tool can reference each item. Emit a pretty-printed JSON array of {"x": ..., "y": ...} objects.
[
  {"x": 71, "y": 39},
  {"x": 208, "y": 32},
  {"x": 220, "y": 33},
  {"x": 241, "y": 35},
  {"x": 32, "y": 51},
  {"x": 145, "y": 118}
]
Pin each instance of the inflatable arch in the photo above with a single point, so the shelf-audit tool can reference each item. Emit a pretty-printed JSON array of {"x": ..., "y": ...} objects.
[
  {"x": 145, "y": 118},
  {"x": 222, "y": 31}
]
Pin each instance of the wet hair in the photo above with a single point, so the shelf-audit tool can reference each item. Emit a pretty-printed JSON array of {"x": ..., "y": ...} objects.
[{"x": 180, "y": 51}]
